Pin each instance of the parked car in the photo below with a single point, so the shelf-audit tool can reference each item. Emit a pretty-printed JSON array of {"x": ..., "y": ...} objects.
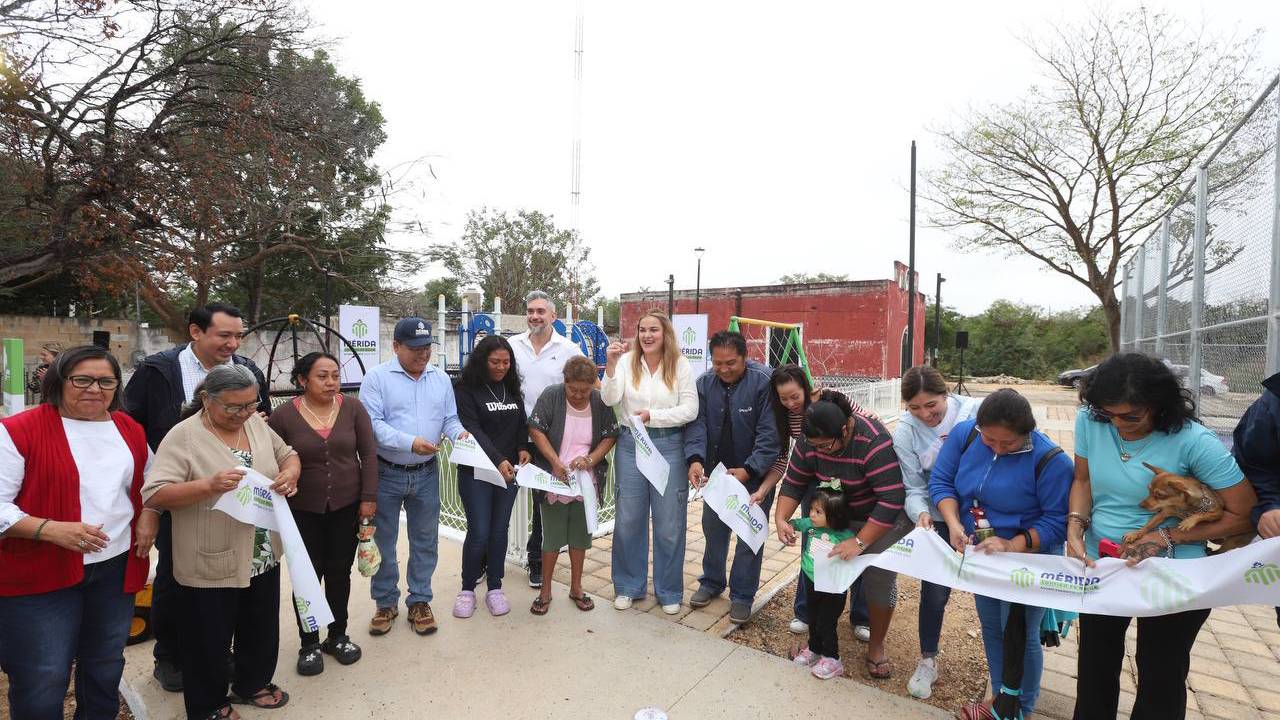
[
  {"x": 1210, "y": 384},
  {"x": 1072, "y": 378}
]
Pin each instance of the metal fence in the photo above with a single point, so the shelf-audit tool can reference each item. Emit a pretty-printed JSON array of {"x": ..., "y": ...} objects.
[{"x": 1203, "y": 291}]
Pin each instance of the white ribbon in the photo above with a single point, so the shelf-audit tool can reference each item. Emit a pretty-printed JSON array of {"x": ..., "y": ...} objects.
[
  {"x": 729, "y": 499},
  {"x": 650, "y": 462},
  {"x": 467, "y": 451},
  {"x": 254, "y": 503},
  {"x": 1156, "y": 586},
  {"x": 535, "y": 478}
]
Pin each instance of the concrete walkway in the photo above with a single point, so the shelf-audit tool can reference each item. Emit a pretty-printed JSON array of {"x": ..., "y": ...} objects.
[{"x": 599, "y": 664}]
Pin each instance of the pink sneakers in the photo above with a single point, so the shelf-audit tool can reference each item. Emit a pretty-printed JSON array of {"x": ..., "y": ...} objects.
[
  {"x": 464, "y": 606},
  {"x": 497, "y": 602},
  {"x": 805, "y": 658},
  {"x": 828, "y": 668}
]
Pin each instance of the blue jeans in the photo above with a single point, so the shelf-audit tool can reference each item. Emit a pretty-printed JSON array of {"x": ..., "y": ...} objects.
[
  {"x": 488, "y": 509},
  {"x": 42, "y": 634},
  {"x": 418, "y": 491},
  {"x": 744, "y": 578},
  {"x": 992, "y": 615},
  {"x": 637, "y": 499}
]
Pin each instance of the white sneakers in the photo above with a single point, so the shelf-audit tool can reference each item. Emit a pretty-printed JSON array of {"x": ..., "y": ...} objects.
[
  {"x": 621, "y": 602},
  {"x": 921, "y": 683},
  {"x": 798, "y": 626},
  {"x": 672, "y": 609},
  {"x": 862, "y": 633}
]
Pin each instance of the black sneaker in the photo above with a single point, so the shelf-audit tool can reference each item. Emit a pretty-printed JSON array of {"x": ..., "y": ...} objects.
[
  {"x": 341, "y": 648},
  {"x": 310, "y": 661},
  {"x": 535, "y": 576},
  {"x": 169, "y": 675}
]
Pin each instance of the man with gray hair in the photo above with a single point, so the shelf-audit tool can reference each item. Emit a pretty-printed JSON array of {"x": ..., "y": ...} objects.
[{"x": 541, "y": 353}]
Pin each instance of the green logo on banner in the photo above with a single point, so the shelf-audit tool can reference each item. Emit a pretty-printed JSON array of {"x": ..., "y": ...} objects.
[
  {"x": 1166, "y": 590},
  {"x": 690, "y": 336},
  {"x": 359, "y": 328},
  {"x": 1263, "y": 574},
  {"x": 244, "y": 494},
  {"x": 1022, "y": 578},
  {"x": 731, "y": 502}
]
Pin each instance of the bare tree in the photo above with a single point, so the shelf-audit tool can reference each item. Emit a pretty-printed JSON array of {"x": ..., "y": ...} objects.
[{"x": 1076, "y": 172}]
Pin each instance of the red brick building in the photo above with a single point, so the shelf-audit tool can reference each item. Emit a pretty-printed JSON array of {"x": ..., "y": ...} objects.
[{"x": 850, "y": 328}]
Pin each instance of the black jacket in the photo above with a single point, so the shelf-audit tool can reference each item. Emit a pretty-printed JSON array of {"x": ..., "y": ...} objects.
[
  {"x": 1257, "y": 446},
  {"x": 154, "y": 395}
]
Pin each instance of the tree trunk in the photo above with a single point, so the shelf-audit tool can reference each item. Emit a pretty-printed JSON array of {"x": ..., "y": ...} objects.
[{"x": 1111, "y": 309}]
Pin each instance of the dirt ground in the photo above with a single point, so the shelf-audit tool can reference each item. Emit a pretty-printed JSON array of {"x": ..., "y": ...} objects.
[{"x": 961, "y": 664}]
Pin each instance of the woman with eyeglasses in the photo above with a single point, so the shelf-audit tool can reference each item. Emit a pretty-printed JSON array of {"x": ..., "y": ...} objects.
[
  {"x": 1001, "y": 484},
  {"x": 74, "y": 539},
  {"x": 852, "y": 455},
  {"x": 228, "y": 573},
  {"x": 1135, "y": 415}
]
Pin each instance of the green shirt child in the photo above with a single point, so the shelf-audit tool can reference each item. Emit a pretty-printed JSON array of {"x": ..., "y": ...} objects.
[{"x": 805, "y": 526}]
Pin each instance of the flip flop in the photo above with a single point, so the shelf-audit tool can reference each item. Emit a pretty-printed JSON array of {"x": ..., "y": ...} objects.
[
  {"x": 975, "y": 711},
  {"x": 873, "y": 668},
  {"x": 267, "y": 692},
  {"x": 540, "y": 606},
  {"x": 583, "y": 602}
]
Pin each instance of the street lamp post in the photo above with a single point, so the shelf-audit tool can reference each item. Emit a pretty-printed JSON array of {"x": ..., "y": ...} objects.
[
  {"x": 937, "y": 320},
  {"x": 671, "y": 294},
  {"x": 697, "y": 287}
]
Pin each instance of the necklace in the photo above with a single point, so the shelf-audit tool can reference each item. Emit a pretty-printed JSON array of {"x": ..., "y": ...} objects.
[
  {"x": 328, "y": 420},
  {"x": 223, "y": 438},
  {"x": 503, "y": 401},
  {"x": 1124, "y": 450}
]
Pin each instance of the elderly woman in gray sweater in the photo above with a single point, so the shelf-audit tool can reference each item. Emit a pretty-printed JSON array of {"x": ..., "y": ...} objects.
[{"x": 573, "y": 430}]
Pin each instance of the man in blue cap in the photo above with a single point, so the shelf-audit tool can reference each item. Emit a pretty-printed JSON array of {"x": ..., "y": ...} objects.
[{"x": 411, "y": 405}]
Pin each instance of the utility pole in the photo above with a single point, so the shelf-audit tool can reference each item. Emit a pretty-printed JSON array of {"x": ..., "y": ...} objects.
[
  {"x": 911, "y": 273},
  {"x": 937, "y": 320},
  {"x": 671, "y": 294},
  {"x": 697, "y": 287}
]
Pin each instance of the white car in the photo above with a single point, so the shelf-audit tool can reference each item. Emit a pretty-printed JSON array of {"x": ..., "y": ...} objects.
[{"x": 1210, "y": 384}]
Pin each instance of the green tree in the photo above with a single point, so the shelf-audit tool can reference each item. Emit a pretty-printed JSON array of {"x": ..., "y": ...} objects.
[
  {"x": 798, "y": 278},
  {"x": 507, "y": 256},
  {"x": 1076, "y": 172}
]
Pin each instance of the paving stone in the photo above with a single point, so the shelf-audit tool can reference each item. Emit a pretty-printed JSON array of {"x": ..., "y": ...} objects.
[
  {"x": 1265, "y": 699},
  {"x": 1261, "y": 663},
  {"x": 1241, "y": 630},
  {"x": 1055, "y": 706},
  {"x": 1208, "y": 652},
  {"x": 1201, "y": 683},
  {"x": 1221, "y": 709},
  {"x": 1220, "y": 669},
  {"x": 1060, "y": 663},
  {"x": 1256, "y": 647},
  {"x": 699, "y": 620},
  {"x": 596, "y": 585},
  {"x": 1058, "y": 682}
]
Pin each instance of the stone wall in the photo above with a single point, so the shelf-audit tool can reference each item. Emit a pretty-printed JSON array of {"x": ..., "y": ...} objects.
[{"x": 126, "y": 337}]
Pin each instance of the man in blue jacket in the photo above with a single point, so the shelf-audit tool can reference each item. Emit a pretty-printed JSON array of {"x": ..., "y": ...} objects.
[
  {"x": 1257, "y": 449},
  {"x": 154, "y": 396},
  {"x": 735, "y": 426}
]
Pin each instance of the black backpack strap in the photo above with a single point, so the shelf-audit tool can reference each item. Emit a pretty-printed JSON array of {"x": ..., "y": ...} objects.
[
  {"x": 1044, "y": 460},
  {"x": 973, "y": 435}
]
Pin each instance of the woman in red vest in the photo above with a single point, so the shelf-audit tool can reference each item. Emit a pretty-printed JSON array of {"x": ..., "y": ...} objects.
[{"x": 74, "y": 539}]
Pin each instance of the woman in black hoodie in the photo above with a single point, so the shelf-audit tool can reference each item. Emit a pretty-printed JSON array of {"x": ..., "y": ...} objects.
[{"x": 491, "y": 408}]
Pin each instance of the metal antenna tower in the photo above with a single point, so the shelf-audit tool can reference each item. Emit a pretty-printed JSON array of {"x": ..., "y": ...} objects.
[{"x": 575, "y": 177}]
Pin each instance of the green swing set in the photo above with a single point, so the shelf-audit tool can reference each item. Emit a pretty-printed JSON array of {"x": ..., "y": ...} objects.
[{"x": 794, "y": 343}]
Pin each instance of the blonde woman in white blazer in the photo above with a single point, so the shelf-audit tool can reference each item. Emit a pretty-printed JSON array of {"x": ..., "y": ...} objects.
[{"x": 650, "y": 380}]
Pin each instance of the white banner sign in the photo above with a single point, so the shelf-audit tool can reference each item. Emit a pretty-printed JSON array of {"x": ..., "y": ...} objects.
[
  {"x": 359, "y": 325},
  {"x": 590, "y": 503},
  {"x": 254, "y": 503},
  {"x": 1157, "y": 586},
  {"x": 467, "y": 451},
  {"x": 535, "y": 478},
  {"x": 650, "y": 462},
  {"x": 691, "y": 336},
  {"x": 728, "y": 498}
]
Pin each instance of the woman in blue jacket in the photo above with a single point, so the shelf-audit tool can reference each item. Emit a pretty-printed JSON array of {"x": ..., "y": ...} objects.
[{"x": 1000, "y": 467}]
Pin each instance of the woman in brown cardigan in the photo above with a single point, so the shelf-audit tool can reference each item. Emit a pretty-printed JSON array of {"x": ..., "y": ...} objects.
[{"x": 334, "y": 437}]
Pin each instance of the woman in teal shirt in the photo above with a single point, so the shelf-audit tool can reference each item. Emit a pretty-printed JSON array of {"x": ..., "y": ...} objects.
[{"x": 1136, "y": 412}]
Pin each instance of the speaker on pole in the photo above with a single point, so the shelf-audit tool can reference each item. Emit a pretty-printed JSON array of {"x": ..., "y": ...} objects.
[
  {"x": 962, "y": 339},
  {"x": 962, "y": 342}
]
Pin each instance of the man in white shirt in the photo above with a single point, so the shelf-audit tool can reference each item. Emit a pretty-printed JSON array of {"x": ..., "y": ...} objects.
[{"x": 541, "y": 353}]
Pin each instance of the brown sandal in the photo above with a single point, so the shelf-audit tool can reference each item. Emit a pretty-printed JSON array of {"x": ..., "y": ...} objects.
[
  {"x": 873, "y": 669},
  {"x": 268, "y": 692},
  {"x": 540, "y": 606},
  {"x": 583, "y": 602}
]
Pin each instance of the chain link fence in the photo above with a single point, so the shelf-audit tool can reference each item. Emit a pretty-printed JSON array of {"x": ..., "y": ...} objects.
[{"x": 1203, "y": 291}]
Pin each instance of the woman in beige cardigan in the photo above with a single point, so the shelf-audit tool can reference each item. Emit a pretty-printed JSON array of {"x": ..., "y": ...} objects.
[{"x": 227, "y": 572}]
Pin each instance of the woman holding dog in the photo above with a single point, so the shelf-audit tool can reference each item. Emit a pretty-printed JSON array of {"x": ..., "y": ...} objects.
[{"x": 1138, "y": 424}]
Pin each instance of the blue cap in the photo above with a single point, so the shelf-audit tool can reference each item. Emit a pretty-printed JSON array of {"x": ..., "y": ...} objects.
[{"x": 413, "y": 332}]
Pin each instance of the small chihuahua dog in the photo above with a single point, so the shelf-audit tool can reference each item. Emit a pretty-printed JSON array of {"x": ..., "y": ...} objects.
[{"x": 1185, "y": 498}]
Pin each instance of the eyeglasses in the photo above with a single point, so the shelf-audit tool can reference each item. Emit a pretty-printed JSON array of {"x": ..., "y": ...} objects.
[
  {"x": 84, "y": 382},
  {"x": 237, "y": 409},
  {"x": 827, "y": 446},
  {"x": 1105, "y": 416}
]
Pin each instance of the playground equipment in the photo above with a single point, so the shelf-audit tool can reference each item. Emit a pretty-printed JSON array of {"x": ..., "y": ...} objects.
[
  {"x": 295, "y": 324},
  {"x": 794, "y": 342}
]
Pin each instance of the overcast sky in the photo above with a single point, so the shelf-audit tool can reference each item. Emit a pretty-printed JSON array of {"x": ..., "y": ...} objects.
[{"x": 775, "y": 135}]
